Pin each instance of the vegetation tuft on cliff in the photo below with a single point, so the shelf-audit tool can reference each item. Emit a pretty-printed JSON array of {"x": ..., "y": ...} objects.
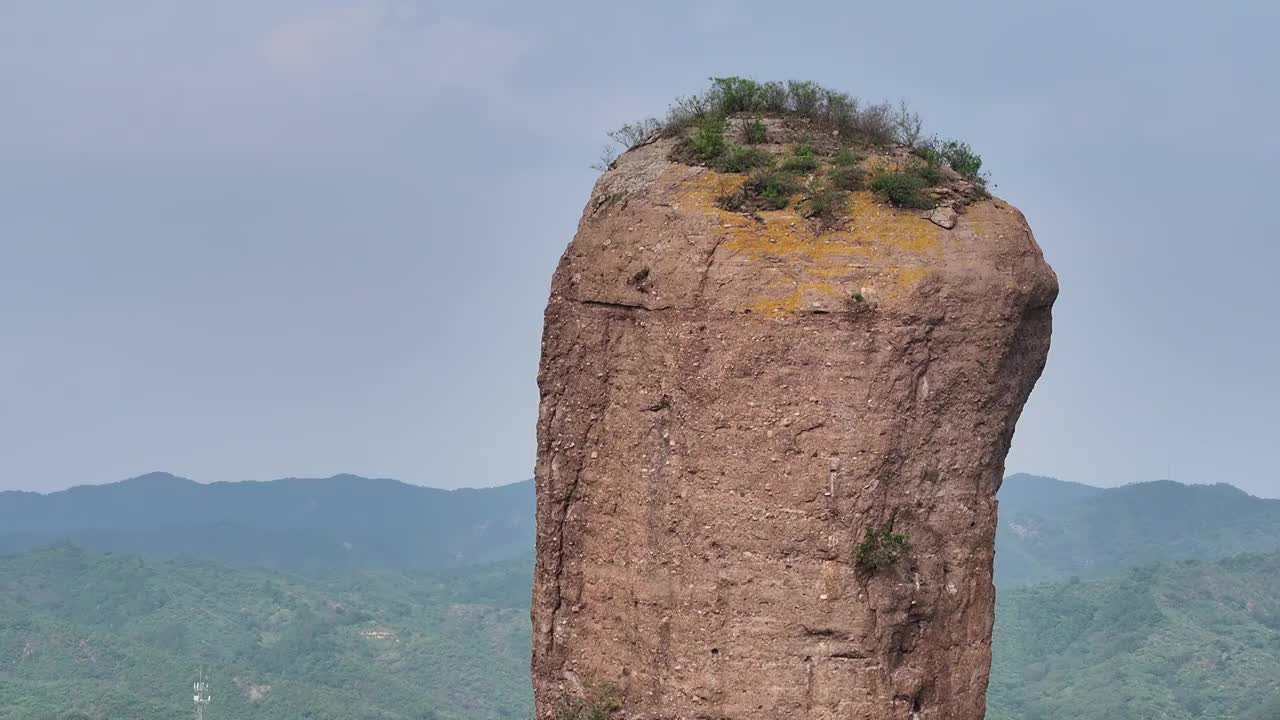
[{"x": 807, "y": 146}]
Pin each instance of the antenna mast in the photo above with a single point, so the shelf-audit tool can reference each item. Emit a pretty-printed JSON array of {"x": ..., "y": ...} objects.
[{"x": 201, "y": 695}]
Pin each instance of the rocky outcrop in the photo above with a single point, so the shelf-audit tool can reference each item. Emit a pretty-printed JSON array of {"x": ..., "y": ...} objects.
[{"x": 729, "y": 402}]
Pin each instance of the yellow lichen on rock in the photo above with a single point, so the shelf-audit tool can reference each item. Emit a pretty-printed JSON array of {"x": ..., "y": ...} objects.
[
  {"x": 876, "y": 246},
  {"x": 908, "y": 277},
  {"x": 879, "y": 225},
  {"x": 802, "y": 296}
]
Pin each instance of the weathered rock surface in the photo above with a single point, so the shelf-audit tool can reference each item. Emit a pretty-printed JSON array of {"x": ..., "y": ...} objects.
[
  {"x": 944, "y": 217},
  {"x": 722, "y": 420}
]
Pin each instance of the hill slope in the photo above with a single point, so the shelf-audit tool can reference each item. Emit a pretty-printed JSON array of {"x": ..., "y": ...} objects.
[
  {"x": 1181, "y": 642},
  {"x": 333, "y": 524},
  {"x": 1051, "y": 529},
  {"x": 1048, "y": 529},
  {"x": 117, "y": 637}
]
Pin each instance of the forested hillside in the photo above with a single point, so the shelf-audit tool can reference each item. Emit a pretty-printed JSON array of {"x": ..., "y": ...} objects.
[
  {"x": 362, "y": 632},
  {"x": 117, "y": 637},
  {"x": 110, "y": 637},
  {"x": 1185, "y": 641}
]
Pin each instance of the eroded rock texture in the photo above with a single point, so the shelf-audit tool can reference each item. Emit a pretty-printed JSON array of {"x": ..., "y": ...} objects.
[{"x": 728, "y": 403}]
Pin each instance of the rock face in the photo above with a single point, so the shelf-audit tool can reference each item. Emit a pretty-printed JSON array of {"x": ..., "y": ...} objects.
[{"x": 729, "y": 403}]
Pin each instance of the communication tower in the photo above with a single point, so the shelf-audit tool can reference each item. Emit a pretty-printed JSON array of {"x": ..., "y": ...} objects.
[{"x": 200, "y": 690}]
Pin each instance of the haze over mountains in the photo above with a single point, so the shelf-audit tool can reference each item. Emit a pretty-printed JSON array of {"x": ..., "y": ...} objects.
[
  {"x": 1048, "y": 528},
  {"x": 348, "y": 597},
  {"x": 1052, "y": 529},
  {"x": 332, "y": 524}
]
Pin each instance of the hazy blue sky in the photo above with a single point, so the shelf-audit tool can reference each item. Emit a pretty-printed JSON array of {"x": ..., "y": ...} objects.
[{"x": 254, "y": 238}]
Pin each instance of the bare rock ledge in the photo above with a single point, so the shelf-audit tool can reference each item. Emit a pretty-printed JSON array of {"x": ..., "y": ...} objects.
[{"x": 728, "y": 403}]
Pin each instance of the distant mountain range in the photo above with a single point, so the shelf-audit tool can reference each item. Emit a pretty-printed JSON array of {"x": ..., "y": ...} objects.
[
  {"x": 390, "y": 605},
  {"x": 334, "y": 524},
  {"x": 1049, "y": 529}
]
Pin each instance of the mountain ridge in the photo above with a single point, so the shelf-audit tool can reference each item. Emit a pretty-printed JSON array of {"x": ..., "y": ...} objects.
[
  {"x": 340, "y": 523},
  {"x": 165, "y": 477},
  {"x": 1104, "y": 644},
  {"x": 1050, "y": 529},
  {"x": 343, "y": 522},
  {"x": 1018, "y": 478}
]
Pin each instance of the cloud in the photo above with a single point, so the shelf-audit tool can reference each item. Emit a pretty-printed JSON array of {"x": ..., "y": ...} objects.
[
  {"x": 388, "y": 50},
  {"x": 329, "y": 76},
  {"x": 331, "y": 35}
]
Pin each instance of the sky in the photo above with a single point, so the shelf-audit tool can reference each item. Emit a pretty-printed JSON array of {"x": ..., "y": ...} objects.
[{"x": 264, "y": 238}]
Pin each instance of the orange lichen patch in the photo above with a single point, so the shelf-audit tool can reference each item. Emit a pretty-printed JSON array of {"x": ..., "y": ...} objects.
[
  {"x": 711, "y": 185},
  {"x": 841, "y": 271},
  {"x": 801, "y": 295},
  {"x": 878, "y": 224},
  {"x": 784, "y": 234},
  {"x": 899, "y": 282},
  {"x": 821, "y": 269},
  {"x": 909, "y": 275}
]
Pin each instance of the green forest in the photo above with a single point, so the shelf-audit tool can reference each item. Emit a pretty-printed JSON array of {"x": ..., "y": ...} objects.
[
  {"x": 1187, "y": 630},
  {"x": 1181, "y": 641},
  {"x": 86, "y": 636}
]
